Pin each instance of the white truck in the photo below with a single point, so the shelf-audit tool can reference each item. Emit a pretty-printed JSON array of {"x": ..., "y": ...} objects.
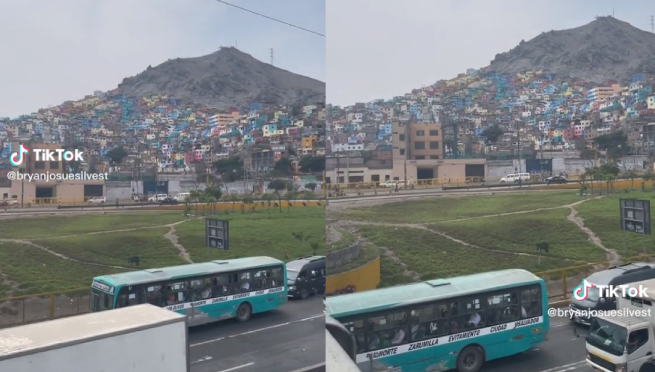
[
  {"x": 625, "y": 341},
  {"x": 141, "y": 338}
]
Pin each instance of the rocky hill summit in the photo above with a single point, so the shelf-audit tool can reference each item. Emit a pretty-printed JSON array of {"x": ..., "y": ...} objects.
[
  {"x": 223, "y": 79},
  {"x": 604, "y": 49}
]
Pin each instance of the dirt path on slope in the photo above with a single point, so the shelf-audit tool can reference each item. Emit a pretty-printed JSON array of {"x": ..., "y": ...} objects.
[
  {"x": 174, "y": 239},
  {"x": 335, "y": 226},
  {"x": 612, "y": 256},
  {"x": 170, "y": 235}
]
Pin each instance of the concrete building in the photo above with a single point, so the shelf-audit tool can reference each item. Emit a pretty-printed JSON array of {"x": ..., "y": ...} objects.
[
  {"x": 344, "y": 169},
  {"x": 600, "y": 93},
  {"x": 418, "y": 154}
]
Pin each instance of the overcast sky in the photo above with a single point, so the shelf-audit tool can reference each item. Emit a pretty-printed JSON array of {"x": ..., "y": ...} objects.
[
  {"x": 58, "y": 50},
  {"x": 386, "y": 48}
]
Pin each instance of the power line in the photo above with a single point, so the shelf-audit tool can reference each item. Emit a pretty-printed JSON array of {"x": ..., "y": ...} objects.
[{"x": 271, "y": 18}]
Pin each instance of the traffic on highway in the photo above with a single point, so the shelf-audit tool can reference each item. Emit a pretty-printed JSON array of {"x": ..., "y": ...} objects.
[
  {"x": 500, "y": 321},
  {"x": 288, "y": 339}
]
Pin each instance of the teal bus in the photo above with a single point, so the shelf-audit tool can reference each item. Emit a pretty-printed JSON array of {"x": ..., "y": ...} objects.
[
  {"x": 205, "y": 292},
  {"x": 437, "y": 325}
]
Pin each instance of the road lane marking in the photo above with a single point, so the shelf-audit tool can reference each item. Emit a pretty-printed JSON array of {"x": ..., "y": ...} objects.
[
  {"x": 310, "y": 368},
  {"x": 237, "y": 367},
  {"x": 203, "y": 359},
  {"x": 566, "y": 367},
  {"x": 258, "y": 330}
]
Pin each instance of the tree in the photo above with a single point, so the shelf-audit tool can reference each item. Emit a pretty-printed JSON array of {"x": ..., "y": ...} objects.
[
  {"x": 214, "y": 192},
  {"x": 116, "y": 155},
  {"x": 283, "y": 167},
  {"x": 278, "y": 185},
  {"x": 616, "y": 145},
  {"x": 248, "y": 202},
  {"x": 234, "y": 198},
  {"x": 312, "y": 164},
  {"x": 492, "y": 133},
  {"x": 315, "y": 246},
  {"x": 542, "y": 247},
  {"x": 230, "y": 169},
  {"x": 645, "y": 178},
  {"x": 632, "y": 175},
  {"x": 610, "y": 169},
  {"x": 289, "y": 196},
  {"x": 589, "y": 156},
  {"x": 195, "y": 196},
  {"x": 268, "y": 198}
]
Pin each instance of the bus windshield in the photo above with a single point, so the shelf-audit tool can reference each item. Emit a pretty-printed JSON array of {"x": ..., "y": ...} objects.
[
  {"x": 101, "y": 301},
  {"x": 607, "y": 336}
]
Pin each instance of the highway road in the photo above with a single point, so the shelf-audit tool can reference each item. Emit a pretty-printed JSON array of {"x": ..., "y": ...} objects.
[
  {"x": 563, "y": 352},
  {"x": 288, "y": 339},
  {"x": 370, "y": 200}
]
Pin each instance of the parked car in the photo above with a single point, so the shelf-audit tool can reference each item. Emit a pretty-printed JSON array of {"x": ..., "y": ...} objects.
[
  {"x": 168, "y": 201},
  {"x": 98, "y": 200},
  {"x": 157, "y": 198},
  {"x": 556, "y": 180},
  {"x": 515, "y": 178},
  {"x": 182, "y": 197},
  {"x": 9, "y": 203},
  {"x": 139, "y": 198}
]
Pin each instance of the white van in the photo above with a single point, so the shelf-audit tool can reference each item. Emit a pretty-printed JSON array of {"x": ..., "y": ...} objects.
[
  {"x": 157, "y": 198},
  {"x": 515, "y": 177},
  {"x": 182, "y": 196}
]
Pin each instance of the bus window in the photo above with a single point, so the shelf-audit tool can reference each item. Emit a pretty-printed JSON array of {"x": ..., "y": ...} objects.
[
  {"x": 471, "y": 315},
  {"x": 260, "y": 279},
  {"x": 221, "y": 285},
  {"x": 154, "y": 295},
  {"x": 387, "y": 330},
  {"x": 277, "y": 274},
  {"x": 245, "y": 282},
  {"x": 531, "y": 302},
  {"x": 176, "y": 293},
  {"x": 200, "y": 289},
  {"x": 502, "y": 308},
  {"x": 129, "y": 296}
]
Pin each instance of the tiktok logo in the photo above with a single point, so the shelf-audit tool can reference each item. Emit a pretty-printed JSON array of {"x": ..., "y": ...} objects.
[
  {"x": 18, "y": 157},
  {"x": 581, "y": 292}
]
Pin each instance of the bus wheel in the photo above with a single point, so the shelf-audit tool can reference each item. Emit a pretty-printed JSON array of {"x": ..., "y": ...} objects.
[
  {"x": 647, "y": 368},
  {"x": 470, "y": 359},
  {"x": 304, "y": 294},
  {"x": 243, "y": 312}
]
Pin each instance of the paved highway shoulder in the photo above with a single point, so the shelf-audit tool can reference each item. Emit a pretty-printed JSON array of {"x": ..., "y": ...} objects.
[{"x": 291, "y": 338}]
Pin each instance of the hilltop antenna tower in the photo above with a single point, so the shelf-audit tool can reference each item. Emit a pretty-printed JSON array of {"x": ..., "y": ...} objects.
[
  {"x": 272, "y": 56},
  {"x": 652, "y": 24}
]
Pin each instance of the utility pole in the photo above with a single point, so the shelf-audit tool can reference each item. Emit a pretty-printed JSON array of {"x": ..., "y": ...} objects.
[
  {"x": 407, "y": 132},
  {"x": 652, "y": 24},
  {"x": 347, "y": 169},
  {"x": 518, "y": 143},
  {"x": 272, "y": 57}
]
